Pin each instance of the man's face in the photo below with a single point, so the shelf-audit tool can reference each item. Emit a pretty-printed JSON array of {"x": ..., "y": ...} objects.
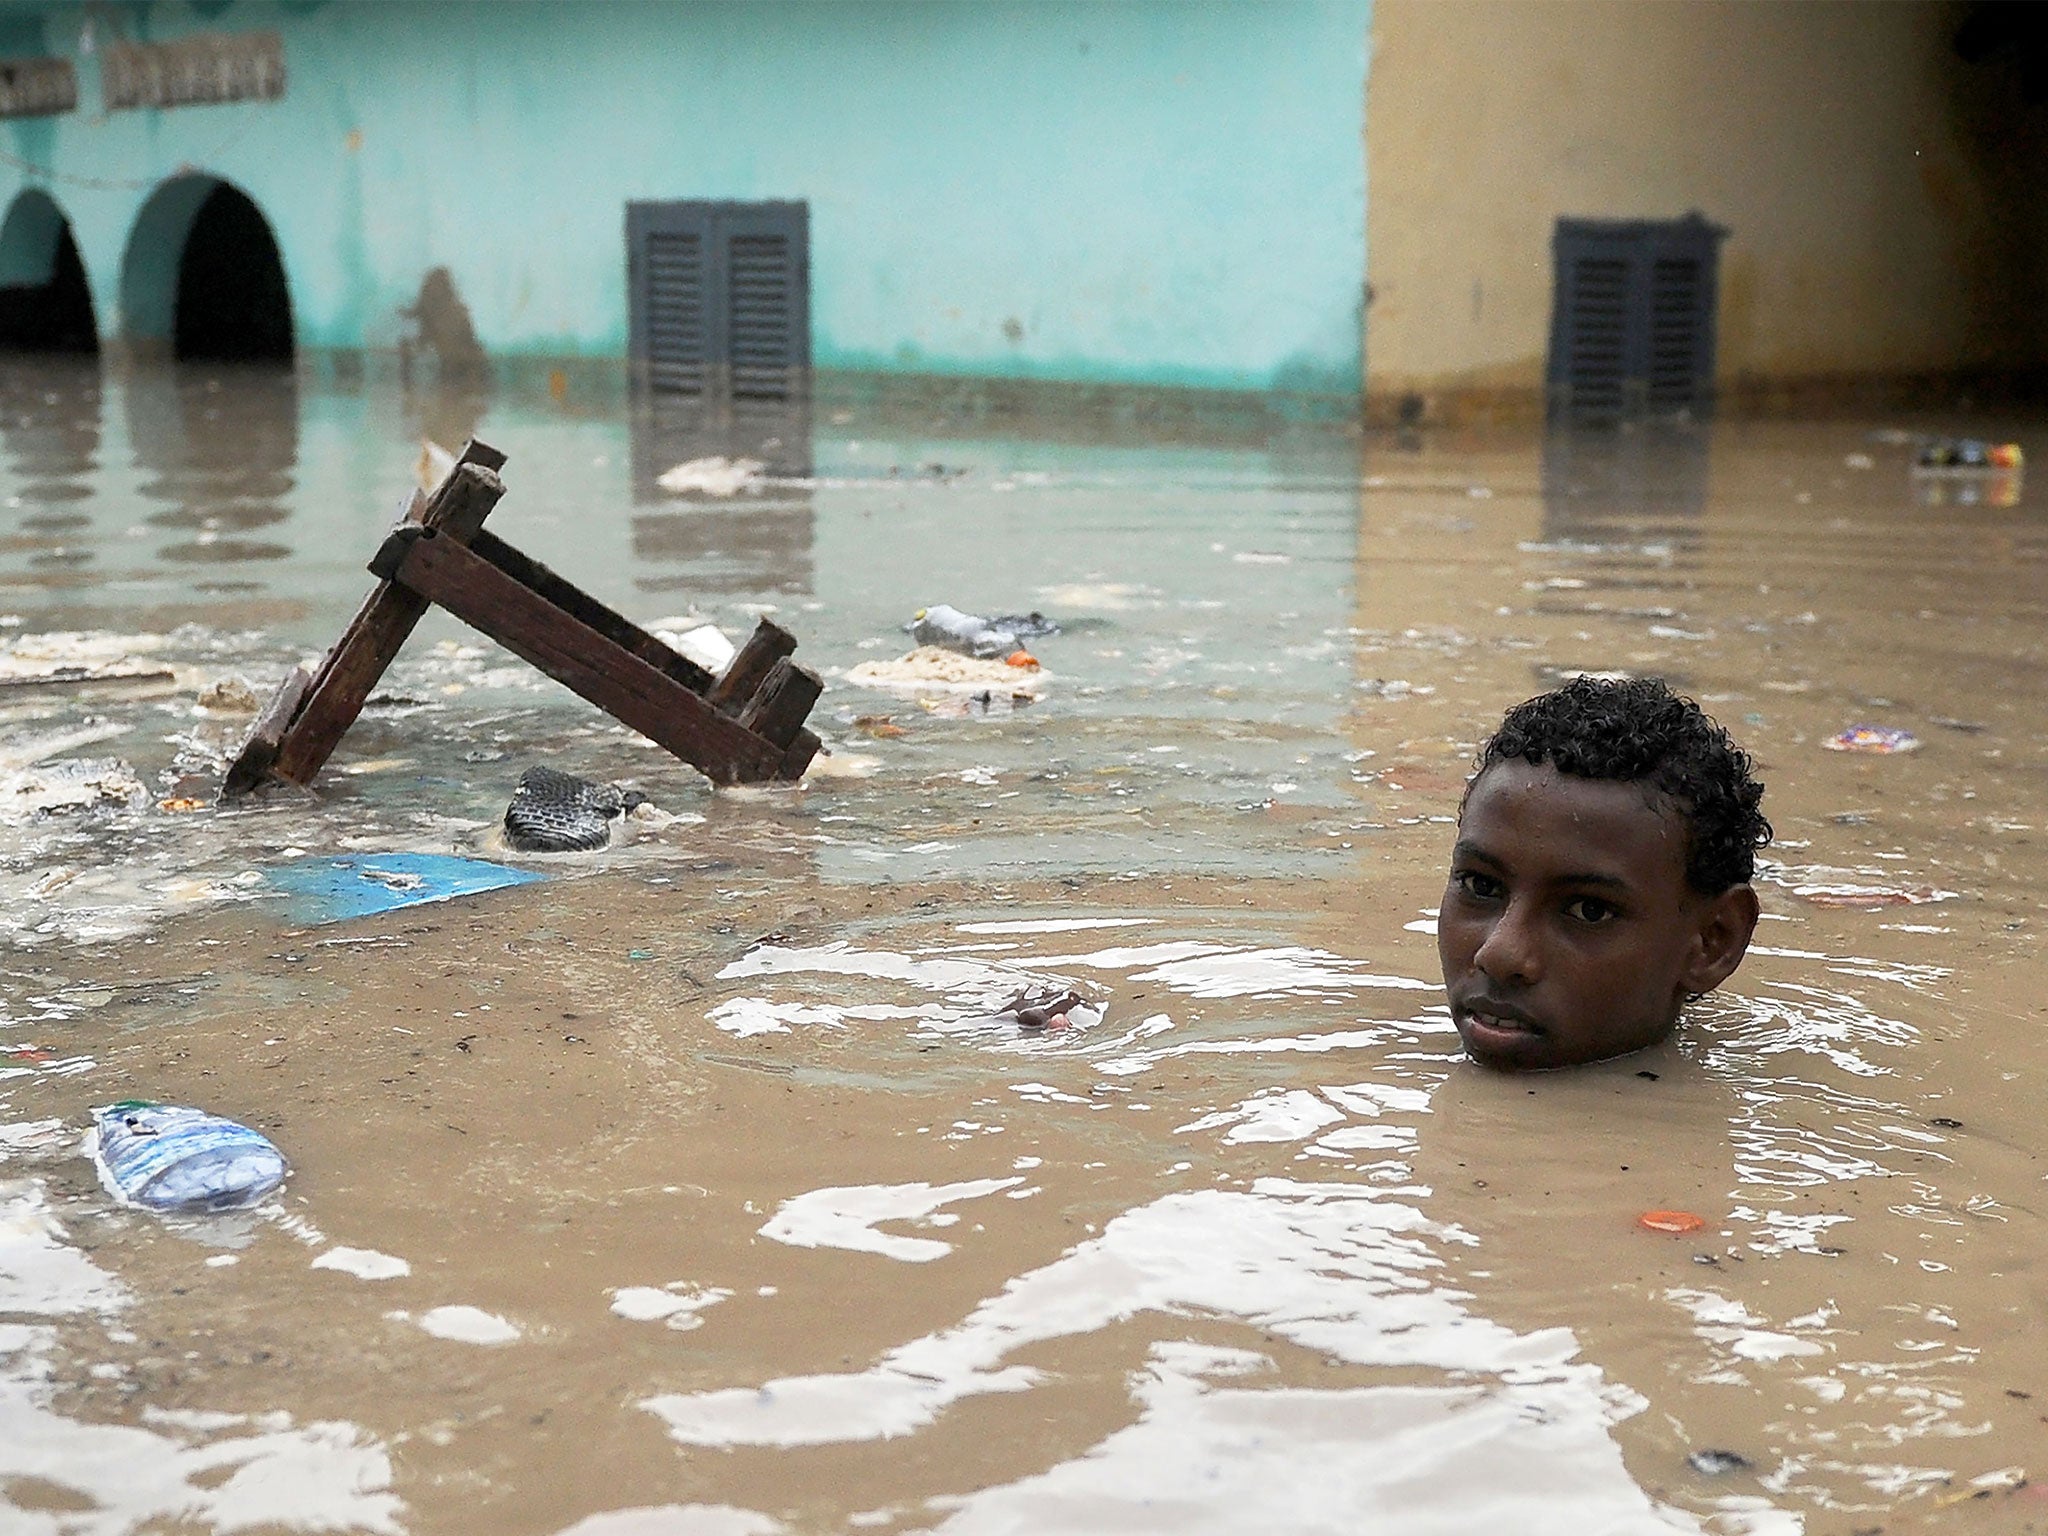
[{"x": 1568, "y": 932}]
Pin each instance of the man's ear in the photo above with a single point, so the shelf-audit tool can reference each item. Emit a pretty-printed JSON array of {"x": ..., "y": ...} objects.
[{"x": 1726, "y": 925}]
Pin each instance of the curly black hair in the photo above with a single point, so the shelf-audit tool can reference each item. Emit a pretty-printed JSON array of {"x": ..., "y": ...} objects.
[{"x": 1637, "y": 731}]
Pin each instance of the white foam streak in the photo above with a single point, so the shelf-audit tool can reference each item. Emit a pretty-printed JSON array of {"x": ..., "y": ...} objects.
[
  {"x": 846, "y": 1218},
  {"x": 678, "y": 1304},
  {"x": 1057, "y": 924},
  {"x": 1216, "y": 1460},
  {"x": 842, "y": 959},
  {"x": 42, "y": 1274},
  {"x": 195, "y": 1470},
  {"x": 1336, "y": 1268},
  {"x": 363, "y": 1263},
  {"x": 678, "y": 1520},
  {"x": 1216, "y": 971},
  {"x": 465, "y": 1325}
]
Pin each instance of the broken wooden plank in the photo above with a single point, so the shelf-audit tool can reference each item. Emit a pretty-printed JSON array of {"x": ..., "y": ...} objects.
[
  {"x": 785, "y": 697},
  {"x": 625, "y": 686},
  {"x": 477, "y": 451},
  {"x": 69, "y": 678},
  {"x": 802, "y": 748},
  {"x": 744, "y": 728},
  {"x": 372, "y": 640},
  {"x": 259, "y": 750},
  {"x": 750, "y": 667},
  {"x": 580, "y": 605}
]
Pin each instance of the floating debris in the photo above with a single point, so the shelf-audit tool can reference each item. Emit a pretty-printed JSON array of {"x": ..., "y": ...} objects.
[
  {"x": 972, "y": 635},
  {"x": 434, "y": 465},
  {"x": 1669, "y": 1221},
  {"x": 229, "y": 696},
  {"x": 705, "y": 644},
  {"x": 164, "y": 1157},
  {"x": 1967, "y": 453},
  {"x": 554, "y": 812},
  {"x": 1051, "y": 1009},
  {"x": 79, "y": 659},
  {"x": 328, "y": 890},
  {"x": 1717, "y": 1463},
  {"x": 931, "y": 668},
  {"x": 68, "y": 787},
  {"x": 713, "y": 476},
  {"x": 1392, "y": 688},
  {"x": 1869, "y": 896},
  {"x": 1881, "y": 740},
  {"x": 744, "y": 727}
]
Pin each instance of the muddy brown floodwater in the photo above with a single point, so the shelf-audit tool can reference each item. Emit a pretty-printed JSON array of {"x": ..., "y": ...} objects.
[{"x": 693, "y": 1190}]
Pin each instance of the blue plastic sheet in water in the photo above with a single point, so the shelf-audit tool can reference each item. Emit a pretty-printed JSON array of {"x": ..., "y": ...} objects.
[{"x": 329, "y": 890}]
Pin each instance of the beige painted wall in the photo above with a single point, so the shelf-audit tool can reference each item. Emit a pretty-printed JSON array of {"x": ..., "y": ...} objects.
[{"x": 1830, "y": 136}]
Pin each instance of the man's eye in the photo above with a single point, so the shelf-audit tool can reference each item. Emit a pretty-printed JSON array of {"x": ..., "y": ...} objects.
[
  {"x": 1471, "y": 883},
  {"x": 1588, "y": 909}
]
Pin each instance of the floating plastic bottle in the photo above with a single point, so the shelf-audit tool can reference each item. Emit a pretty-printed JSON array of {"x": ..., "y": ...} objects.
[
  {"x": 972, "y": 635},
  {"x": 162, "y": 1157},
  {"x": 968, "y": 633}
]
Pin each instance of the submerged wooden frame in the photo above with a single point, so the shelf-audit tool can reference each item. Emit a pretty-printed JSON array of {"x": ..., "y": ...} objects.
[{"x": 744, "y": 727}]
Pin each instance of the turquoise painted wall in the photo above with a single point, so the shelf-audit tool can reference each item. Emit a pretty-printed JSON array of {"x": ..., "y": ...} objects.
[{"x": 1151, "y": 191}]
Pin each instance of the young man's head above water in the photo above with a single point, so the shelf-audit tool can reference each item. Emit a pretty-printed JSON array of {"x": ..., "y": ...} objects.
[{"x": 1601, "y": 874}]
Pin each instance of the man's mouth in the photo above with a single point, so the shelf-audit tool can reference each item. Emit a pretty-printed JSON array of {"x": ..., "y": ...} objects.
[{"x": 1497, "y": 1019}]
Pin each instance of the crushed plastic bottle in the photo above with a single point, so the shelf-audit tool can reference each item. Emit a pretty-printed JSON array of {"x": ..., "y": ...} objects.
[
  {"x": 971, "y": 635},
  {"x": 164, "y": 1157}
]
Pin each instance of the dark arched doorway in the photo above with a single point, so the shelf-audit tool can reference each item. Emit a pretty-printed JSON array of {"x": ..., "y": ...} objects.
[
  {"x": 45, "y": 305},
  {"x": 232, "y": 303}
]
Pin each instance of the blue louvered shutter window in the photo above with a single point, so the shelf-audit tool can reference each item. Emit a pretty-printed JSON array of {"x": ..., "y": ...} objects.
[
  {"x": 719, "y": 298},
  {"x": 1633, "y": 318}
]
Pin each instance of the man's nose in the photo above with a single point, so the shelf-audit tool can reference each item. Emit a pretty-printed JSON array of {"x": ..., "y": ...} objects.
[{"x": 1512, "y": 954}]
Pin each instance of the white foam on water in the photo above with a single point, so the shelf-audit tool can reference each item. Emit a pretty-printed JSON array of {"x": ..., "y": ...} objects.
[
  {"x": 227, "y": 1472},
  {"x": 965, "y": 992},
  {"x": 41, "y": 1274},
  {"x": 1209, "y": 1458},
  {"x": 463, "y": 1324},
  {"x": 846, "y": 1217},
  {"x": 1045, "y": 1093},
  {"x": 33, "y": 1136},
  {"x": 1056, "y": 924},
  {"x": 677, "y": 1520},
  {"x": 1311, "y": 1044},
  {"x": 193, "y": 1469},
  {"x": 1218, "y": 971},
  {"x": 1099, "y": 596},
  {"x": 363, "y": 1263},
  {"x": 1278, "y": 1114},
  {"x": 842, "y": 959},
  {"x": 1732, "y": 1327},
  {"x": 748, "y": 1016},
  {"x": 678, "y": 1304},
  {"x": 1518, "y": 1423},
  {"x": 744, "y": 1016},
  {"x": 1300, "y": 1114}
]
